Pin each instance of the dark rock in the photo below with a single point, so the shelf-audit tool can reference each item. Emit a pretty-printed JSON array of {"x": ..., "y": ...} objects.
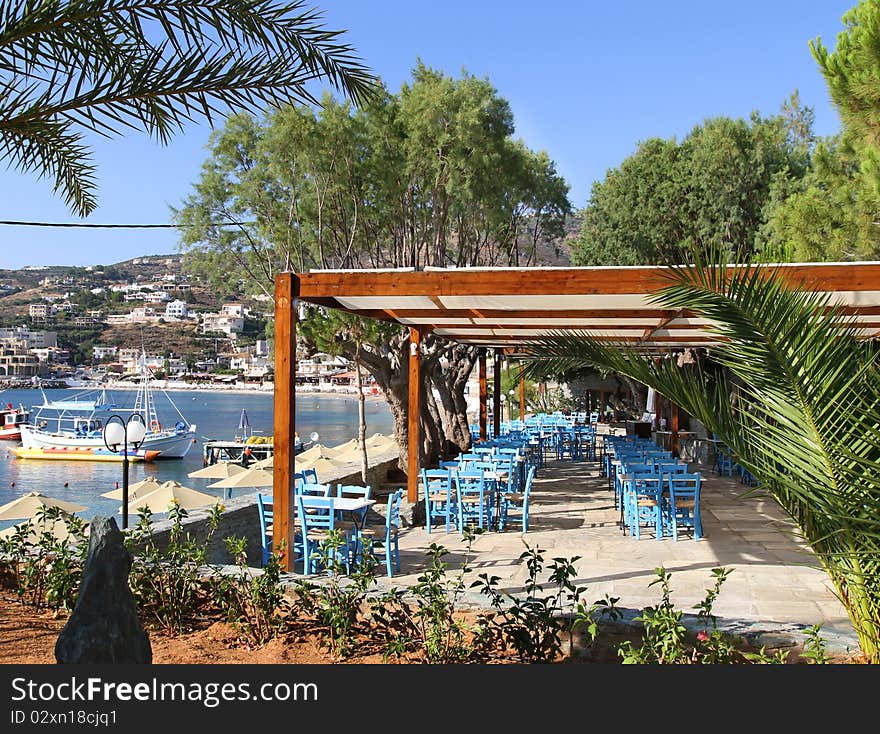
[{"x": 104, "y": 626}]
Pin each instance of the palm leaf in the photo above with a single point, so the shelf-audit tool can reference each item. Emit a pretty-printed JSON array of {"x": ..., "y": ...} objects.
[{"x": 107, "y": 65}]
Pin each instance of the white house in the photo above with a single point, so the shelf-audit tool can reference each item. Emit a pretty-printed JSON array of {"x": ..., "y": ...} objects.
[
  {"x": 229, "y": 325},
  {"x": 101, "y": 353},
  {"x": 176, "y": 310}
]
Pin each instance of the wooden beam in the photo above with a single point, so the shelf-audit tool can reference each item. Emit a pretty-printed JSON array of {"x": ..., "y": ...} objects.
[
  {"x": 284, "y": 421},
  {"x": 560, "y": 281},
  {"x": 664, "y": 323},
  {"x": 496, "y": 396},
  {"x": 412, "y": 415},
  {"x": 483, "y": 395}
]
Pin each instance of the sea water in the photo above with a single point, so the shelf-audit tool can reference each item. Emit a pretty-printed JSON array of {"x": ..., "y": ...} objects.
[{"x": 216, "y": 415}]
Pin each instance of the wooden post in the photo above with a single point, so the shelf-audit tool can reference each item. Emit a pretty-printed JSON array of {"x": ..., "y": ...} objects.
[
  {"x": 496, "y": 395},
  {"x": 673, "y": 409},
  {"x": 483, "y": 394},
  {"x": 522, "y": 393},
  {"x": 412, "y": 414},
  {"x": 284, "y": 424}
]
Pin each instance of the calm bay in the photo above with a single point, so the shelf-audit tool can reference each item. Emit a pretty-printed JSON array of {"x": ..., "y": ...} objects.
[{"x": 216, "y": 415}]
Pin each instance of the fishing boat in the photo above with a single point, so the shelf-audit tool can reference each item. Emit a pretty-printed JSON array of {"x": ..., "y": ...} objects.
[
  {"x": 11, "y": 421},
  {"x": 74, "y": 453},
  {"x": 79, "y": 424}
]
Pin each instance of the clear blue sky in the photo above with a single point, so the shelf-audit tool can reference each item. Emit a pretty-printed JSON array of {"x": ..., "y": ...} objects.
[{"x": 586, "y": 81}]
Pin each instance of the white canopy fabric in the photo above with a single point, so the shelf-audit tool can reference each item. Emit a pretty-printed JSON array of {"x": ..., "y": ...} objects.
[{"x": 27, "y": 506}]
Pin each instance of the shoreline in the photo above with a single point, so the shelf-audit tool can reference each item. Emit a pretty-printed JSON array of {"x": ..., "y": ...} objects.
[{"x": 237, "y": 390}]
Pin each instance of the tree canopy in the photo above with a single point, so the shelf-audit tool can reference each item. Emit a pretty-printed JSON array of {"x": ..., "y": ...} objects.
[
  {"x": 72, "y": 66},
  {"x": 430, "y": 176},
  {"x": 670, "y": 199}
]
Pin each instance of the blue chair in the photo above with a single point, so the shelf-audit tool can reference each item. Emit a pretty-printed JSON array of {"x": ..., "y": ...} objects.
[
  {"x": 474, "y": 498},
  {"x": 354, "y": 490},
  {"x": 683, "y": 503},
  {"x": 318, "y": 520},
  {"x": 264, "y": 508},
  {"x": 314, "y": 489},
  {"x": 517, "y": 501},
  {"x": 392, "y": 529},
  {"x": 306, "y": 475},
  {"x": 439, "y": 496},
  {"x": 643, "y": 503}
]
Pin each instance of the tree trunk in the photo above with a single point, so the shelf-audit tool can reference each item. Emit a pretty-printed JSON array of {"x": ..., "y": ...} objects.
[{"x": 362, "y": 415}]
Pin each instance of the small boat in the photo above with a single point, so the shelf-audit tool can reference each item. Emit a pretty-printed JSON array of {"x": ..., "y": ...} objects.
[
  {"x": 11, "y": 421},
  {"x": 81, "y": 454},
  {"x": 79, "y": 424}
]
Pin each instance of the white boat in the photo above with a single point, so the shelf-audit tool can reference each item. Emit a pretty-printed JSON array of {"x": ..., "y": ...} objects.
[{"x": 79, "y": 423}]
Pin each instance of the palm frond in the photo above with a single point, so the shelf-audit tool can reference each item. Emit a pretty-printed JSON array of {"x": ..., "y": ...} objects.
[
  {"x": 108, "y": 65},
  {"x": 801, "y": 410}
]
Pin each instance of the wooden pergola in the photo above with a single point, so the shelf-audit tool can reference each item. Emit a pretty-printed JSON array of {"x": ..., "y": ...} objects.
[{"x": 501, "y": 309}]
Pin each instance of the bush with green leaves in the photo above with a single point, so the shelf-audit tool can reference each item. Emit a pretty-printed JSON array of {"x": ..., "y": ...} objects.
[
  {"x": 338, "y": 602},
  {"x": 252, "y": 602},
  {"x": 535, "y": 625},
  {"x": 45, "y": 557},
  {"x": 167, "y": 583}
]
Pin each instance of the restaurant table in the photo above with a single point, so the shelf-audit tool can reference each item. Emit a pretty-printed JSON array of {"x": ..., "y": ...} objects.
[{"x": 346, "y": 504}]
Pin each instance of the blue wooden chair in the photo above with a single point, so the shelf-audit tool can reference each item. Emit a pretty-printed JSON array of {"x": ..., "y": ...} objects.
[
  {"x": 264, "y": 508},
  {"x": 392, "y": 530},
  {"x": 643, "y": 503},
  {"x": 318, "y": 520},
  {"x": 439, "y": 496},
  {"x": 474, "y": 498},
  {"x": 314, "y": 489},
  {"x": 517, "y": 501},
  {"x": 683, "y": 503}
]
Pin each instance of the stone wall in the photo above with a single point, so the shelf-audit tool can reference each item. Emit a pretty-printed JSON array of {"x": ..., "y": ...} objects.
[{"x": 241, "y": 517}]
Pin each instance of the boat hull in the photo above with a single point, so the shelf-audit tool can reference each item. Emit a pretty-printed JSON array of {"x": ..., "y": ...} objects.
[
  {"x": 168, "y": 444},
  {"x": 10, "y": 434},
  {"x": 81, "y": 454}
]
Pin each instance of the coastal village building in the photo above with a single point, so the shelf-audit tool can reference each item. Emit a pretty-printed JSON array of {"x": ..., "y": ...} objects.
[
  {"x": 229, "y": 325},
  {"x": 177, "y": 310},
  {"x": 33, "y": 339},
  {"x": 99, "y": 354},
  {"x": 16, "y": 360}
]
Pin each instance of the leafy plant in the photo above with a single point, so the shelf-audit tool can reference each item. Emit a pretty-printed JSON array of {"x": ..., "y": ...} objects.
[
  {"x": 167, "y": 584},
  {"x": 534, "y": 625},
  {"x": 342, "y": 597},
  {"x": 250, "y": 601},
  {"x": 425, "y": 617},
  {"x": 814, "y": 647},
  {"x": 47, "y": 570},
  {"x": 664, "y": 635}
]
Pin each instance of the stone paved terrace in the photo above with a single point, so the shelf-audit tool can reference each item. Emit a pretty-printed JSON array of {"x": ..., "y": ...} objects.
[{"x": 776, "y": 582}]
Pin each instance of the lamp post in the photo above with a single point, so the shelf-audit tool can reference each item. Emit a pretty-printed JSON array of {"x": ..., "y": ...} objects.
[
  {"x": 510, "y": 401},
  {"x": 120, "y": 433}
]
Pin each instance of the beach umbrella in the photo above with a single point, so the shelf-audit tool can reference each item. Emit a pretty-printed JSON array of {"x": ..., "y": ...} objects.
[
  {"x": 36, "y": 527},
  {"x": 247, "y": 478},
  {"x": 243, "y": 422},
  {"x": 28, "y": 506},
  {"x": 220, "y": 470},
  {"x": 321, "y": 466},
  {"x": 315, "y": 452},
  {"x": 138, "y": 489},
  {"x": 266, "y": 463},
  {"x": 341, "y": 449},
  {"x": 160, "y": 499}
]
